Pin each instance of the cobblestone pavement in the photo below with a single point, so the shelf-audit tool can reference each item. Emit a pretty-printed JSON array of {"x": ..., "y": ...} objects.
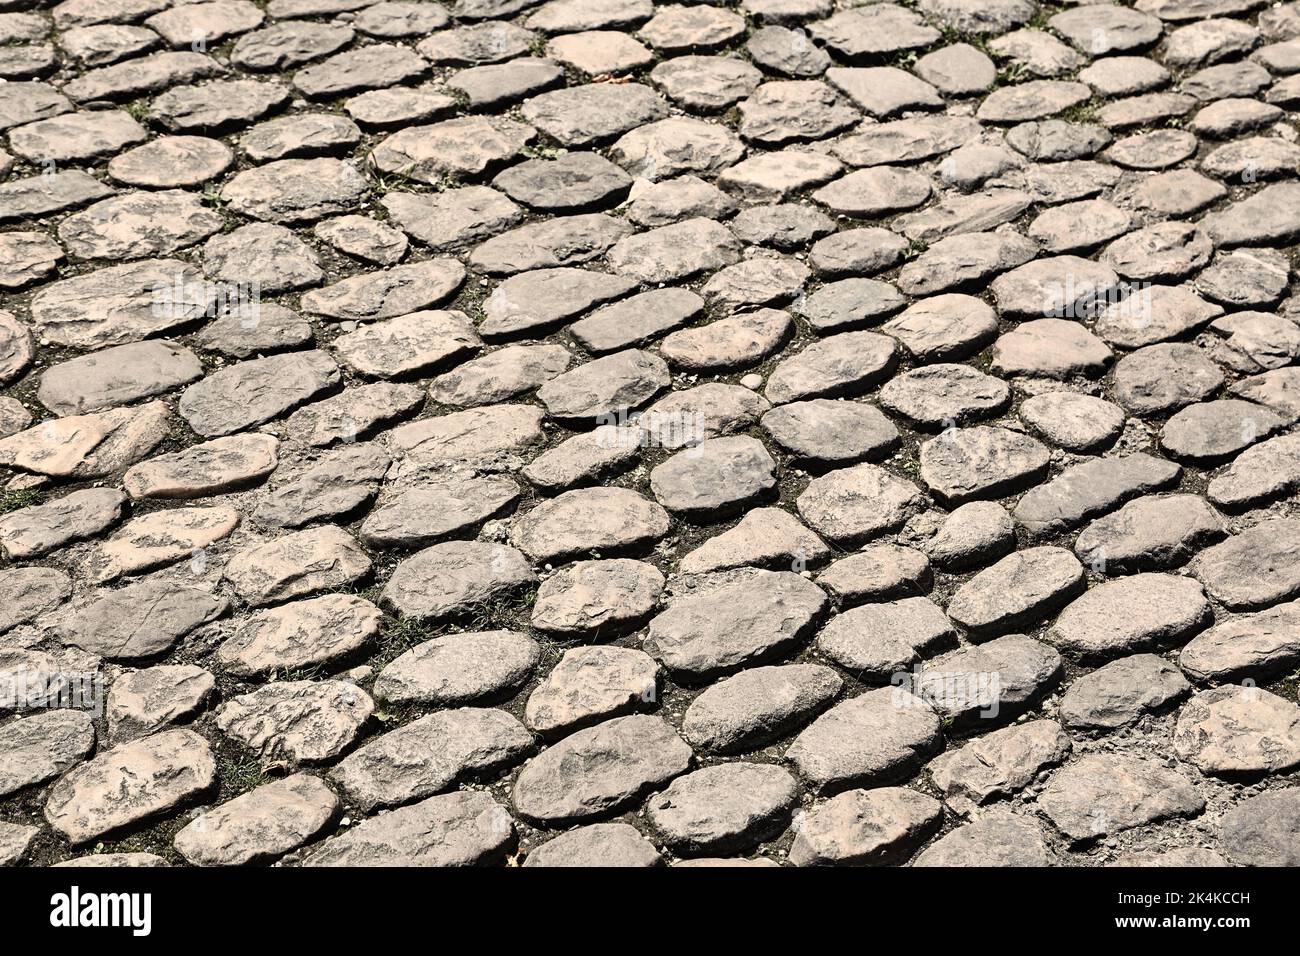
[{"x": 605, "y": 431}]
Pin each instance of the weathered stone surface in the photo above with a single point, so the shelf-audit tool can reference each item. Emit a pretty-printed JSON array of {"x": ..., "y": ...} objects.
[
  {"x": 455, "y": 829},
  {"x": 599, "y": 844},
  {"x": 208, "y": 468},
  {"x": 1255, "y": 646},
  {"x": 1000, "y": 763},
  {"x": 459, "y": 669},
  {"x": 831, "y": 431},
  {"x": 117, "y": 376},
  {"x": 597, "y": 597},
  {"x": 141, "y": 620},
  {"x": 1140, "y": 612},
  {"x": 590, "y": 685},
  {"x": 1022, "y": 588},
  {"x": 1151, "y": 533},
  {"x": 145, "y": 701},
  {"x": 161, "y": 538},
  {"x": 40, "y": 747},
  {"x": 992, "y": 682},
  {"x": 876, "y": 738},
  {"x": 296, "y": 721},
  {"x": 250, "y": 393},
  {"x": 129, "y": 784},
  {"x": 296, "y": 190},
  {"x": 87, "y": 446},
  {"x": 965, "y": 464},
  {"x": 409, "y": 344},
  {"x": 765, "y": 537},
  {"x": 260, "y": 825},
  {"x": 714, "y": 477},
  {"x": 482, "y": 437},
  {"x": 876, "y": 573},
  {"x": 944, "y": 327},
  {"x": 1253, "y": 569},
  {"x": 854, "y": 504},
  {"x": 1090, "y": 489},
  {"x": 451, "y": 578},
  {"x": 338, "y": 483},
  {"x": 586, "y": 520},
  {"x": 1101, "y": 794},
  {"x": 600, "y": 770},
  {"x": 300, "y": 634},
  {"x": 119, "y": 304},
  {"x": 430, "y": 755},
  {"x": 758, "y": 705},
  {"x": 866, "y": 828},
  {"x": 295, "y": 565},
  {"x": 1260, "y": 831},
  {"x": 998, "y": 838},
  {"x": 676, "y": 252},
  {"x": 733, "y": 619},
  {"x": 606, "y": 386},
  {"x": 1122, "y": 692},
  {"x": 541, "y": 299},
  {"x": 40, "y": 529},
  {"x": 1211, "y": 432},
  {"x": 723, "y": 808},
  {"x": 877, "y": 641},
  {"x": 1239, "y": 731}
]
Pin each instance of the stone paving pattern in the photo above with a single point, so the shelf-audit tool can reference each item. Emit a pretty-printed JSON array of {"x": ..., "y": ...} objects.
[{"x": 618, "y": 432}]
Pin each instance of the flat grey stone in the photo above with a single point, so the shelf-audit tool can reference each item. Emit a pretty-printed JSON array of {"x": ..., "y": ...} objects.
[
  {"x": 335, "y": 484},
  {"x": 724, "y": 808},
  {"x": 141, "y": 620},
  {"x": 40, "y": 747},
  {"x": 1258, "y": 567},
  {"x": 295, "y": 565},
  {"x": 878, "y": 573},
  {"x": 965, "y": 464},
  {"x": 150, "y": 699},
  {"x": 260, "y": 825},
  {"x": 450, "y": 579},
  {"x": 998, "y": 838},
  {"x": 852, "y": 505},
  {"x": 1261, "y": 830},
  {"x": 459, "y": 669},
  {"x": 454, "y": 829},
  {"x": 1149, "y": 534},
  {"x": 877, "y": 738},
  {"x": 249, "y": 393},
  {"x": 1090, "y": 489},
  {"x": 590, "y": 685},
  {"x": 758, "y": 705},
  {"x": 1102, "y": 794},
  {"x": 39, "y": 529},
  {"x": 1000, "y": 763},
  {"x": 600, "y": 770},
  {"x": 296, "y": 721},
  {"x": 730, "y": 620},
  {"x": 597, "y": 598},
  {"x": 1122, "y": 692},
  {"x": 991, "y": 682},
  {"x": 877, "y": 641},
  {"x": 300, "y": 634},
  {"x": 431, "y": 754},
  {"x": 598, "y": 844},
  {"x": 944, "y": 395},
  {"x": 1077, "y": 423},
  {"x": 875, "y": 827},
  {"x": 1239, "y": 731},
  {"x": 1022, "y": 588},
  {"x": 130, "y": 783}
]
